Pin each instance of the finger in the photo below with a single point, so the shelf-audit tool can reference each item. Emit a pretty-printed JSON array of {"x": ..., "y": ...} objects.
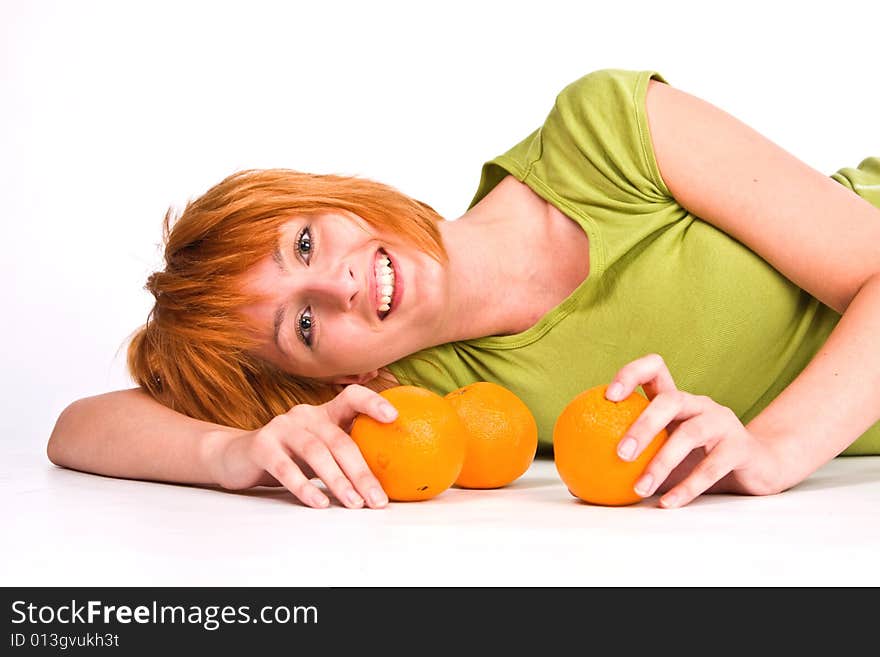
[
  {"x": 717, "y": 464},
  {"x": 356, "y": 399},
  {"x": 649, "y": 371},
  {"x": 282, "y": 467},
  {"x": 313, "y": 450},
  {"x": 351, "y": 461},
  {"x": 690, "y": 434},
  {"x": 665, "y": 408}
]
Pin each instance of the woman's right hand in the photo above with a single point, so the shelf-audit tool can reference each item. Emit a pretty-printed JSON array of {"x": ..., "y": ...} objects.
[{"x": 307, "y": 442}]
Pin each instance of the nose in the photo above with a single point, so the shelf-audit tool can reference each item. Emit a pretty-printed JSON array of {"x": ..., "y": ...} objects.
[{"x": 338, "y": 286}]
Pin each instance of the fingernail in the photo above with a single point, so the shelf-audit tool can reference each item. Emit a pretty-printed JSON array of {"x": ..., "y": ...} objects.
[
  {"x": 389, "y": 412},
  {"x": 377, "y": 497},
  {"x": 614, "y": 392},
  {"x": 643, "y": 486},
  {"x": 669, "y": 501},
  {"x": 627, "y": 449},
  {"x": 320, "y": 500},
  {"x": 354, "y": 499}
]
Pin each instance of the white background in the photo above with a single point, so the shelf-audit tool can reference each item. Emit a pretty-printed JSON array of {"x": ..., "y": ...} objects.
[{"x": 114, "y": 111}]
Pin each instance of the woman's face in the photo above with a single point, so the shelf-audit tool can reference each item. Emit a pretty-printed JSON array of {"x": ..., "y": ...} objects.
[{"x": 325, "y": 284}]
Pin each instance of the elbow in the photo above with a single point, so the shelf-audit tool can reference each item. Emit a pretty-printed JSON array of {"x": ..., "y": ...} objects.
[
  {"x": 56, "y": 448},
  {"x": 53, "y": 451}
]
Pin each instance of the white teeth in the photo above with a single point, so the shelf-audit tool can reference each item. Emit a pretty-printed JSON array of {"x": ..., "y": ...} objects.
[{"x": 384, "y": 282}]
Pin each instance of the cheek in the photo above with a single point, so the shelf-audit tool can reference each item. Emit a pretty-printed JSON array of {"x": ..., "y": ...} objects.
[
  {"x": 340, "y": 338},
  {"x": 349, "y": 342}
]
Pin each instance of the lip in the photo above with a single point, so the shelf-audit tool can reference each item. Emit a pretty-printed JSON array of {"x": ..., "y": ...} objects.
[
  {"x": 398, "y": 286},
  {"x": 372, "y": 286}
]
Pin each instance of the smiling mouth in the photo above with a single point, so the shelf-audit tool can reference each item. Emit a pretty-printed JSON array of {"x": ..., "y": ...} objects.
[{"x": 385, "y": 283}]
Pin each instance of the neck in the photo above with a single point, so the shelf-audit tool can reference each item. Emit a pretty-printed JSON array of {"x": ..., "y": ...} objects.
[{"x": 491, "y": 266}]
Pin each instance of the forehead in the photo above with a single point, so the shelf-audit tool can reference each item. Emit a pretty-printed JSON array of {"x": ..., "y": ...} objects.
[
  {"x": 262, "y": 277},
  {"x": 261, "y": 284},
  {"x": 260, "y": 316}
]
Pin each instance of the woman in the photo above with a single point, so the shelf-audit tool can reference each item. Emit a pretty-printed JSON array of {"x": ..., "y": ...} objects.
[{"x": 638, "y": 233}]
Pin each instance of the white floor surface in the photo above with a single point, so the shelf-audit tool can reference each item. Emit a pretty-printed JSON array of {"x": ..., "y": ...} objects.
[{"x": 63, "y": 527}]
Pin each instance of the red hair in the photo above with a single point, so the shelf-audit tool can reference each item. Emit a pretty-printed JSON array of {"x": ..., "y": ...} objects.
[{"x": 194, "y": 354}]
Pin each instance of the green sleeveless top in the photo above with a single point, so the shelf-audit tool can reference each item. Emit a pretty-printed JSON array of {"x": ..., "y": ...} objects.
[{"x": 727, "y": 324}]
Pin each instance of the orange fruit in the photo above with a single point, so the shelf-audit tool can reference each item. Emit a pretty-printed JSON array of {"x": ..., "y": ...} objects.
[
  {"x": 420, "y": 454},
  {"x": 502, "y": 435},
  {"x": 585, "y": 439}
]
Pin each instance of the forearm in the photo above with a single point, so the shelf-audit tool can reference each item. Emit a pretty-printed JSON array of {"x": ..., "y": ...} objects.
[
  {"x": 834, "y": 400},
  {"x": 128, "y": 434}
]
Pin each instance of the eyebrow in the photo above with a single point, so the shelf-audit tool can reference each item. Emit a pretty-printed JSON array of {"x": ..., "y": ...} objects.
[{"x": 279, "y": 314}]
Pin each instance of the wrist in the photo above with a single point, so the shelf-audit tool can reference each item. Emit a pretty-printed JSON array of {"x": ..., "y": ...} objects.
[
  {"x": 773, "y": 472},
  {"x": 213, "y": 451}
]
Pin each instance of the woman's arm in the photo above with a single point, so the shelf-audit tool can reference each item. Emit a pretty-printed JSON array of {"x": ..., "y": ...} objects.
[
  {"x": 835, "y": 399},
  {"x": 826, "y": 408},
  {"x": 820, "y": 235},
  {"x": 129, "y": 434}
]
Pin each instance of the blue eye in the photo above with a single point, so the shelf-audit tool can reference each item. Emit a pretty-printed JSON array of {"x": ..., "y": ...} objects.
[
  {"x": 304, "y": 244},
  {"x": 305, "y": 324}
]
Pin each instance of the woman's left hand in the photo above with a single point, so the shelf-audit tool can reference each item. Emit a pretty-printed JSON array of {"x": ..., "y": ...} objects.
[{"x": 708, "y": 449}]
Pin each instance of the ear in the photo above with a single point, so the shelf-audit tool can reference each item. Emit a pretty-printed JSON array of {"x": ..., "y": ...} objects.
[{"x": 360, "y": 379}]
